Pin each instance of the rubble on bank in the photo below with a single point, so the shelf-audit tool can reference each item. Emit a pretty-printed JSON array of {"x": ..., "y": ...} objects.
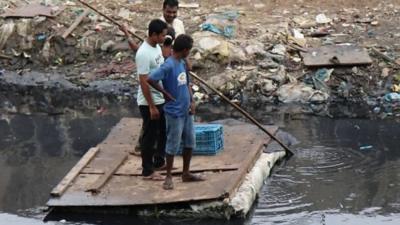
[{"x": 252, "y": 57}]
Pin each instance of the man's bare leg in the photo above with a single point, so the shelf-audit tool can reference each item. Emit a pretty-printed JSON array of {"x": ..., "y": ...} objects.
[
  {"x": 186, "y": 175},
  {"x": 168, "y": 183}
]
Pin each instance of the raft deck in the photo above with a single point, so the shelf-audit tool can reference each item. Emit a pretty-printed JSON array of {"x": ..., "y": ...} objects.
[{"x": 108, "y": 175}]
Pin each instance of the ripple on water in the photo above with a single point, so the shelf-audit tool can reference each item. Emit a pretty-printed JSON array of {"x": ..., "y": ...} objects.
[
  {"x": 320, "y": 161},
  {"x": 325, "y": 178},
  {"x": 281, "y": 202}
]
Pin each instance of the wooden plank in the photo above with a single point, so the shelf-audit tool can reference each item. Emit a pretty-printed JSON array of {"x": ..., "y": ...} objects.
[
  {"x": 76, "y": 23},
  {"x": 175, "y": 171},
  {"x": 66, "y": 181},
  {"x": 106, "y": 158},
  {"x": 99, "y": 183},
  {"x": 125, "y": 132},
  {"x": 128, "y": 191},
  {"x": 33, "y": 10},
  {"x": 336, "y": 55}
]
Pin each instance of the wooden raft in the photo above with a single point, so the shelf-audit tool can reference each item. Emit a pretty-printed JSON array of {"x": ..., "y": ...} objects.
[{"x": 111, "y": 176}]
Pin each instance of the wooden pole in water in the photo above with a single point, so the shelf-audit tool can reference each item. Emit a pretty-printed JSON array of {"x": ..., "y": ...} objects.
[{"x": 289, "y": 153}]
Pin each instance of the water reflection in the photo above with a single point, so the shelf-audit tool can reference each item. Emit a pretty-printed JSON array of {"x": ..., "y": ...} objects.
[{"x": 37, "y": 151}]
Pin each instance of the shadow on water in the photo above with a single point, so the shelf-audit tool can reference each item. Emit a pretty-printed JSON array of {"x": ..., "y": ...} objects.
[{"x": 328, "y": 181}]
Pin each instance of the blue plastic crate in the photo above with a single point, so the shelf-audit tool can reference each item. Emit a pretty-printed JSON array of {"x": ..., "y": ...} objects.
[{"x": 209, "y": 139}]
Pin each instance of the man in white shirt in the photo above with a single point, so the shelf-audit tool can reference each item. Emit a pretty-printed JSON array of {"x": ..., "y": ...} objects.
[
  {"x": 170, "y": 12},
  {"x": 149, "y": 58}
]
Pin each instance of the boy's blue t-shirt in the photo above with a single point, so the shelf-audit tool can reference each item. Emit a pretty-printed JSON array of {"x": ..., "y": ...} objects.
[{"x": 175, "y": 81}]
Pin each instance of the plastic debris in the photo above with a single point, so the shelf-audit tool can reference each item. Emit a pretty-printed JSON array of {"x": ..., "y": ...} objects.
[
  {"x": 6, "y": 31},
  {"x": 322, "y": 19},
  {"x": 344, "y": 89},
  {"x": 374, "y": 23},
  {"x": 377, "y": 110},
  {"x": 297, "y": 34},
  {"x": 279, "y": 49},
  {"x": 223, "y": 24},
  {"x": 209, "y": 43},
  {"x": 366, "y": 147},
  {"x": 195, "y": 87},
  {"x": 41, "y": 37},
  {"x": 297, "y": 38},
  {"x": 189, "y": 5},
  {"x": 318, "y": 97},
  {"x": 255, "y": 48},
  {"x": 392, "y": 97},
  {"x": 319, "y": 79},
  {"x": 198, "y": 97},
  {"x": 323, "y": 74},
  {"x": 396, "y": 88},
  {"x": 294, "y": 92},
  {"x": 385, "y": 72},
  {"x": 211, "y": 46},
  {"x": 46, "y": 51}
]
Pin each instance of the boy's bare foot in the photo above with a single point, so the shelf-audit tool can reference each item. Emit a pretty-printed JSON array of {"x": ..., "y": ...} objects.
[
  {"x": 168, "y": 184},
  {"x": 154, "y": 177},
  {"x": 192, "y": 178}
]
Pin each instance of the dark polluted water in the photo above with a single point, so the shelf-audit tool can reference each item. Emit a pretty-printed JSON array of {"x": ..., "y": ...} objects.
[{"x": 345, "y": 171}]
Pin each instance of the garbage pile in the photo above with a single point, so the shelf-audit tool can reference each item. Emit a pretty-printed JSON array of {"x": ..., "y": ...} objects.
[
  {"x": 55, "y": 33},
  {"x": 314, "y": 58}
]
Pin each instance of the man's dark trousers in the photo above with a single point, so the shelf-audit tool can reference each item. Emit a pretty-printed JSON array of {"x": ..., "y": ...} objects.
[{"x": 153, "y": 140}]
